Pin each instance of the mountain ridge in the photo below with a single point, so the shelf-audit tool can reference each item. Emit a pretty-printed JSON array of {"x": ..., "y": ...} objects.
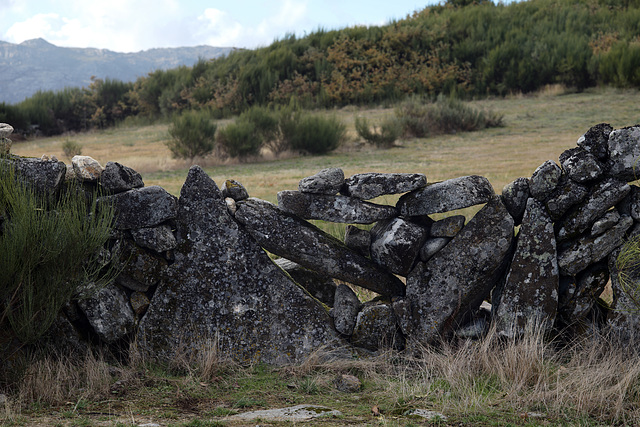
[{"x": 37, "y": 64}]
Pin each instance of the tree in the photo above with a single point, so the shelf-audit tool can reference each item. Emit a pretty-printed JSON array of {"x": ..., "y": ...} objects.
[{"x": 192, "y": 135}]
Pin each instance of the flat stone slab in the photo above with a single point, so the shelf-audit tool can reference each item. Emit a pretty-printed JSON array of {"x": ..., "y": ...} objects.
[
  {"x": 327, "y": 181},
  {"x": 292, "y": 238},
  {"x": 370, "y": 185},
  {"x": 342, "y": 209},
  {"x": 294, "y": 413},
  {"x": 143, "y": 207},
  {"x": 445, "y": 196},
  {"x": 624, "y": 153}
]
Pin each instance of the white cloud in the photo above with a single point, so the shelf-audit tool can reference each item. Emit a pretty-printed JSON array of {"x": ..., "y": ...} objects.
[{"x": 40, "y": 25}]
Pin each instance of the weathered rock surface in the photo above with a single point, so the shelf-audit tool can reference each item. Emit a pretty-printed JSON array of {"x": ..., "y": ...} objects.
[
  {"x": 234, "y": 190},
  {"x": 46, "y": 177},
  {"x": 605, "y": 195},
  {"x": 338, "y": 208},
  {"x": 568, "y": 193},
  {"x": 596, "y": 140},
  {"x": 328, "y": 181},
  {"x": 431, "y": 247},
  {"x": 544, "y": 180},
  {"x": 376, "y": 328},
  {"x": 608, "y": 220},
  {"x": 345, "y": 309},
  {"x": 441, "y": 292},
  {"x": 624, "y": 318},
  {"x": 624, "y": 153},
  {"x": 395, "y": 244},
  {"x": 290, "y": 237},
  {"x": 293, "y": 414},
  {"x": 139, "y": 303},
  {"x": 357, "y": 239},
  {"x": 348, "y": 383},
  {"x": 321, "y": 287},
  {"x": 140, "y": 269},
  {"x": 580, "y": 165},
  {"x": 367, "y": 186},
  {"x": 456, "y": 193},
  {"x": 159, "y": 239},
  {"x": 447, "y": 227},
  {"x": 223, "y": 287},
  {"x": 117, "y": 178},
  {"x": 86, "y": 168},
  {"x": 588, "y": 286},
  {"x": 515, "y": 196},
  {"x": 144, "y": 207},
  {"x": 575, "y": 256},
  {"x": 530, "y": 293},
  {"x": 109, "y": 313},
  {"x": 630, "y": 205}
]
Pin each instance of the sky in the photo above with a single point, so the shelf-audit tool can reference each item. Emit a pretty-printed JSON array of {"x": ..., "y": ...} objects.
[{"x": 134, "y": 25}]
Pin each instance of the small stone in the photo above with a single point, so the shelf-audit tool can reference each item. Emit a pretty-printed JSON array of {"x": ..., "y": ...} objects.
[
  {"x": 159, "y": 238},
  {"x": 234, "y": 190},
  {"x": 357, "y": 239},
  {"x": 568, "y": 193},
  {"x": 514, "y": 197},
  {"x": 86, "y": 168},
  {"x": 432, "y": 246},
  {"x": 396, "y": 243},
  {"x": 117, "y": 178},
  {"x": 348, "y": 383},
  {"x": 580, "y": 165},
  {"x": 139, "y": 303},
  {"x": 5, "y": 130},
  {"x": 231, "y": 206},
  {"x": 630, "y": 205},
  {"x": 376, "y": 328},
  {"x": 327, "y": 181},
  {"x": 345, "y": 309},
  {"x": 370, "y": 185},
  {"x": 595, "y": 140},
  {"x": 544, "y": 180},
  {"x": 447, "y": 227},
  {"x": 607, "y": 221}
]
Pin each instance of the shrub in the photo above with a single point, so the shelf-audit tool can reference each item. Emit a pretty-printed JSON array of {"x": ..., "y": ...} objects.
[
  {"x": 192, "y": 135},
  {"x": 445, "y": 115},
  {"x": 240, "y": 139},
  {"x": 384, "y": 136},
  {"x": 71, "y": 148},
  {"x": 48, "y": 248},
  {"x": 313, "y": 134}
]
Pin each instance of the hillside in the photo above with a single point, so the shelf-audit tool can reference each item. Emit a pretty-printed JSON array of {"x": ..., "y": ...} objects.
[{"x": 37, "y": 64}]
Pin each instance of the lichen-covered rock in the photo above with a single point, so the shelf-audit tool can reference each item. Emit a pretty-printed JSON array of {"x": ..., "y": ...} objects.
[
  {"x": 338, "y": 208},
  {"x": 604, "y": 195},
  {"x": 234, "y": 190},
  {"x": 432, "y": 246},
  {"x": 515, "y": 196},
  {"x": 357, "y": 239},
  {"x": 624, "y": 153},
  {"x": 447, "y": 227},
  {"x": 580, "y": 165},
  {"x": 290, "y": 237},
  {"x": 139, "y": 303},
  {"x": 544, "y": 180},
  {"x": 86, "y": 168},
  {"x": 159, "y": 238},
  {"x": 588, "y": 286},
  {"x": 630, "y": 205},
  {"x": 5, "y": 143},
  {"x": 624, "y": 318},
  {"x": 575, "y": 256},
  {"x": 45, "y": 177},
  {"x": 327, "y": 181},
  {"x": 396, "y": 243},
  {"x": 608, "y": 220},
  {"x": 370, "y": 185},
  {"x": 64, "y": 339},
  {"x": 109, "y": 313},
  {"x": 140, "y": 269},
  {"x": 5, "y": 130},
  {"x": 345, "y": 309},
  {"x": 568, "y": 193},
  {"x": 376, "y": 328},
  {"x": 347, "y": 383},
  {"x": 223, "y": 287},
  {"x": 596, "y": 139},
  {"x": 143, "y": 207},
  {"x": 452, "y": 284},
  {"x": 117, "y": 178},
  {"x": 444, "y": 196},
  {"x": 530, "y": 292},
  {"x": 321, "y": 287}
]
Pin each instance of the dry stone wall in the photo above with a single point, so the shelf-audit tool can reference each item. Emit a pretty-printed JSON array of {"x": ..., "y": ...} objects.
[{"x": 195, "y": 272}]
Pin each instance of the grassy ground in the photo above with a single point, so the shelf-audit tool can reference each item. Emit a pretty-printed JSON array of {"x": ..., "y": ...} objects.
[{"x": 488, "y": 383}]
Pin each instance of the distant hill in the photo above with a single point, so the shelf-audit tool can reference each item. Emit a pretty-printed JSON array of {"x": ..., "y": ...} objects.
[{"x": 37, "y": 64}]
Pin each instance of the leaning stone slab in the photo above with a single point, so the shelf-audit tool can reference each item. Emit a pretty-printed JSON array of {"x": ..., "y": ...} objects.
[
  {"x": 109, "y": 313},
  {"x": 327, "y": 181},
  {"x": 340, "y": 209},
  {"x": 144, "y": 207},
  {"x": 223, "y": 290},
  {"x": 624, "y": 153},
  {"x": 117, "y": 178},
  {"x": 596, "y": 139},
  {"x": 456, "y": 193},
  {"x": 544, "y": 180},
  {"x": 515, "y": 196},
  {"x": 293, "y": 414},
  {"x": 396, "y": 243},
  {"x": 603, "y": 196},
  {"x": 575, "y": 256},
  {"x": 46, "y": 177},
  {"x": 376, "y": 328},
  {"x": 530, "y": 292},
  {"x": 345, "y": 309},
  {"x": 290, "y": 237},
  {"x": 321, "y": 287},
  {"x": 580, "y": 165},
  {"x": 370, "y": 185},
  {"x": 452, "y": 284},
  {"x": 86, "y": 168}
]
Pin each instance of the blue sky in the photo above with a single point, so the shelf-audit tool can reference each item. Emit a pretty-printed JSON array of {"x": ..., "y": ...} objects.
[{"x": 134, "y": 25}]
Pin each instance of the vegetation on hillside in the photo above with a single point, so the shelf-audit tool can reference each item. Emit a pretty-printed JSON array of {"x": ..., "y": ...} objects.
[{"x": 458, "y": 47}]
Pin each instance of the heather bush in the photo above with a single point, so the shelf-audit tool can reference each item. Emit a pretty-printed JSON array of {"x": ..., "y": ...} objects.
[
  {"x": 192, "y": 135},
  {"x": 383, "y": 136}
]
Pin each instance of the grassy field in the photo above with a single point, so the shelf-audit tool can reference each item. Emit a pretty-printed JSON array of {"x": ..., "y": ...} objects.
[{"x": 486, "y": 383}]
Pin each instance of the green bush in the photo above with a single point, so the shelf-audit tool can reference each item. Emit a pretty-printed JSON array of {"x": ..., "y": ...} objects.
[
  {"x": 48, "y": 248},
  {"x": 313, "y": 134},
  {"x": 445, "y": 115},
  {"x": 384, "y": 136},
  {"x": 240, "y": 139},
  {"x": 71, "y": 148},
  {"x": 192, "y": 135}
]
